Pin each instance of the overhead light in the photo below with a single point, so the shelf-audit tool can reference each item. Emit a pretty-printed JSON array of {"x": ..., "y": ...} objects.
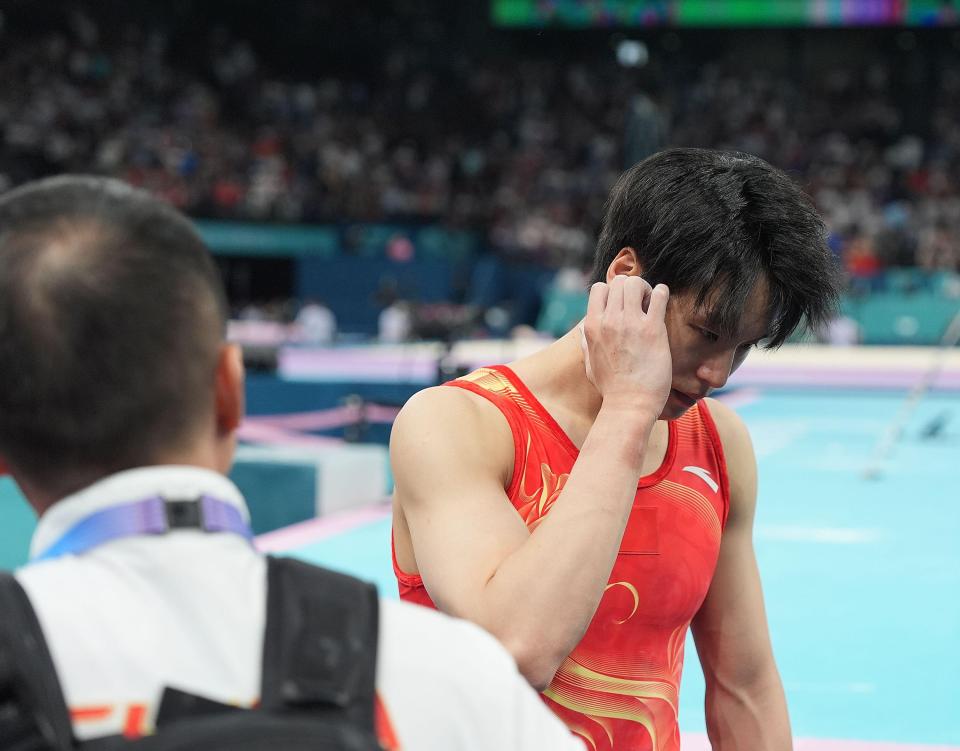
[{"x": 632, "y": 54}]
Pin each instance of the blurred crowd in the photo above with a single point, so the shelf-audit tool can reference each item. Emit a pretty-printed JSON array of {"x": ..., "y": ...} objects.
[
  {"x": 523, "y": 150},
  {"x": 890, "y": 198}
]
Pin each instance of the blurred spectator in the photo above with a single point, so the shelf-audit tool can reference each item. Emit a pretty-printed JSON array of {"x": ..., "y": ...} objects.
[
  {"x": 395, "y": 324},
  {"x": 861, "y": 262},
  {"x": 316, "y": 323},
  {"x": 842, "y": 331}
]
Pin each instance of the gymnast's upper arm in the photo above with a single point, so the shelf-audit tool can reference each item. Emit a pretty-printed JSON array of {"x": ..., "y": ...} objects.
[
  {"x": 730, "y": 628},
  {"x": 452, "y": 454}
]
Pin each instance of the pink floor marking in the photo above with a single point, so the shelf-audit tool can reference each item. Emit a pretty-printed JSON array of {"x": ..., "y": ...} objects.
[
  {"x": 315, "y": 530},
  {"x": 323, "y": 419},
  {"x": 256, "y": 432},
  {"x": 699, "y": 742}
]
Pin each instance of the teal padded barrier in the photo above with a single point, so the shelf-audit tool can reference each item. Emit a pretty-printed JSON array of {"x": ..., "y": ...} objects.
[
  {"x": 887, "y": 318},
  {"x": 278, "y": 492},
  {"x": 906, "y": 280},
  {"x": 453, "y": 245},
  {"x": 17, "y": 522},
  {"x": 249, "y": 239}
]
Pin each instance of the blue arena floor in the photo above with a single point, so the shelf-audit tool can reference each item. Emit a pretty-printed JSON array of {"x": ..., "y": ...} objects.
[{"x": 862, "y": 576}]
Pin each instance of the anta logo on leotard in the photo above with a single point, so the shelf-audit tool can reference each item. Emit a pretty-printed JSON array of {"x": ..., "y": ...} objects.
[{"x": 704, "y": 475}]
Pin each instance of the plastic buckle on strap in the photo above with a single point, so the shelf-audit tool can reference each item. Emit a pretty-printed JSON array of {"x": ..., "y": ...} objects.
[
  {"x": 206, "y": 513},
  {"x": 155, "y": 515},
  {"x": 184, "y": 514}
]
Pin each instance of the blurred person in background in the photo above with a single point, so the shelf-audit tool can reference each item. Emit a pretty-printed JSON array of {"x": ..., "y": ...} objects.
[
  {"x": 118, "y": 391},
  {"x": 588, "y": 504},
  {"x": 860, "y": 259},
  {"x": 842, "y": 331},
  {"x": 395, "y": 322},
  {"x": 316, "y": 323}
]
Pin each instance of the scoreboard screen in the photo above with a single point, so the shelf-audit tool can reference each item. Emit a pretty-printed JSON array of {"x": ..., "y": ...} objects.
[{"x": 720, "y": 13}]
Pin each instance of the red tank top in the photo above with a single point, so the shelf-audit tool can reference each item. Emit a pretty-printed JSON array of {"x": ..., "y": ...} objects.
[{"x": 619, "y": 687}]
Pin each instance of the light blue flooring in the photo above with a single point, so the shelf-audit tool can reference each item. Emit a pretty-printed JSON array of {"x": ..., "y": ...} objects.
[{"x": 862, "y": 577}]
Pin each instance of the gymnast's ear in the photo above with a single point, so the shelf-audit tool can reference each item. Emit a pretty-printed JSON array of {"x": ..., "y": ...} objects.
[{"x": 626, "y": 263}]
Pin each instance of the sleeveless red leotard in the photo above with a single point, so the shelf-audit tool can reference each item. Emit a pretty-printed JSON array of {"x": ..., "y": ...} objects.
[{"x": 619, "y": 687}]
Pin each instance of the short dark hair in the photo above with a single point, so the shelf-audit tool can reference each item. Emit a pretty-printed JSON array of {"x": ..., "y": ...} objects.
[
  {"x": 112, "y": 313},
  {"x": 715, "y": 223}
]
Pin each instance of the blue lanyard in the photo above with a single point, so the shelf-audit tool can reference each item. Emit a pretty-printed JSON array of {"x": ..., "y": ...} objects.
[{"x": 155, "y": 515}]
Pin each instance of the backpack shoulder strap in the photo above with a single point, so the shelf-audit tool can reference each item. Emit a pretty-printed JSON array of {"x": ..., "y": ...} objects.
[
  {"x": 33, "y": 713},
  {"x": 320, "y": 645}
]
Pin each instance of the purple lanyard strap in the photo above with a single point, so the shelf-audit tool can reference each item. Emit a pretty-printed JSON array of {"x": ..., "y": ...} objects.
[{"x": 151, "y": 516}]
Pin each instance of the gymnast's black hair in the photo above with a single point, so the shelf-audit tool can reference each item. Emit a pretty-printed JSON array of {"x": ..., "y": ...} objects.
[{"x": 713, "y": 224}]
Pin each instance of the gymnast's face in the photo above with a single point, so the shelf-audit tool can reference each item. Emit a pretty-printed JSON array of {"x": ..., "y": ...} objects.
[{"x": 702, "y": 359}]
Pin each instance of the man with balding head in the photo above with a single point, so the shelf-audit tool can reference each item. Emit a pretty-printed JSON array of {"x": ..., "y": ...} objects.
[{"x": 119, "y": 402}]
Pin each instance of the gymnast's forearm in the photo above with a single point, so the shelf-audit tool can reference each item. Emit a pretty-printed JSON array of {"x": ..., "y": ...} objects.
[
  {"x": 752, "y": 716},
  {"x": 542, "y": 597}
]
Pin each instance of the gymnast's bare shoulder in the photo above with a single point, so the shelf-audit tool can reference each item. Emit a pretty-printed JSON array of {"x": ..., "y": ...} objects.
[
  {"x": 452, "y": 456},
  {"x": 452, "y": 427}
]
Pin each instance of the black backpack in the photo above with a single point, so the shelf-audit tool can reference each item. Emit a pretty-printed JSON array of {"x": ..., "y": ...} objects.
[{"x": 317, "y": 689}]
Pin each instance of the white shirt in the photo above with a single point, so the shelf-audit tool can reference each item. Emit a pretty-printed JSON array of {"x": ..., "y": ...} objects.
[
  {"x": 318, "y": 324},
  {"x": 394, "y": 324},
  {"x": 187, "y": 610}
]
